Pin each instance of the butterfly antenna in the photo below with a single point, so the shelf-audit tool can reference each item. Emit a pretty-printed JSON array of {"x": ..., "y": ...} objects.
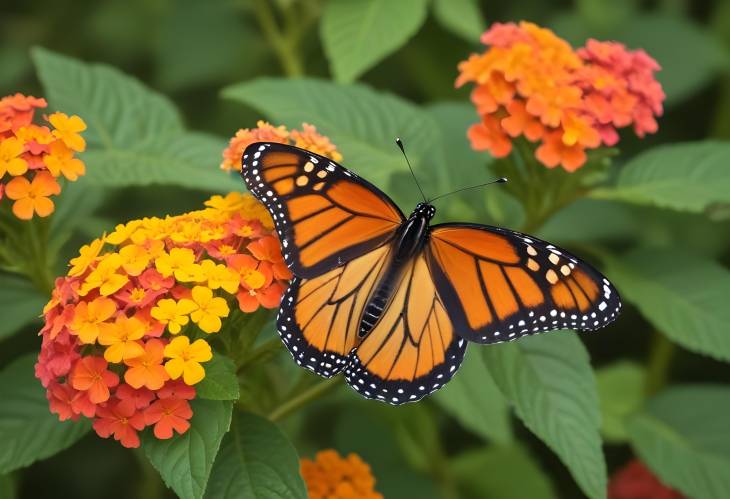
[
  {"x": 502, "y": 180},
  {"x": 402, "y": 149}
]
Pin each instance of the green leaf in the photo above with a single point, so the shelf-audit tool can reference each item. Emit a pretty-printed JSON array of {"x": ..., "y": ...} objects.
[
  {"x": 548, "y": 379},
  {"x": 361, "y": 122},
  {"x": 185, "y": 461},
  {"x": 20, "y": 303},
  {"x": 461, "y": 17},
  {"x": 690, "y": 177},
  {"x": 28, "y": 430},
  {"x": 256, "y": 461},
  {"x": 475, "y": 401},
  {"x": 683, "y": 295},
  {"x": 118, "y": 109},
  {"x": 177, "y": 159},
  {"x": 220, "y": 382},
  {"x": 683, "y": 435},
  {"x": 135, "y": 136},
  {"x": 519, "y": 475},
  {"x": 593, "y": 220},
  {"x": 621, "y": 390},
  {"x": 7, "y": 487},
  {"x": 357, "y": 34}
]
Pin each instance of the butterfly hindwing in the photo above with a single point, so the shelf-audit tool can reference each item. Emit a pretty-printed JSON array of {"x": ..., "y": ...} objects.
[
  {"x": 324, "y": 214},
  {"x": 499, "y": 285},
  {"x": 412, "y": 350},
  {"x": 318, "y": 319}
]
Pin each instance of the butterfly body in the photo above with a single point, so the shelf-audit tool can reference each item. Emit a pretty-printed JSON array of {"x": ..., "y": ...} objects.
[{"x": 392, "y": 302}]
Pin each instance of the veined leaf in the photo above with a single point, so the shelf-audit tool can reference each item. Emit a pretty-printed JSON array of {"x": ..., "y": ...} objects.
[
  {"x": 178, "y": 159},
  {"x": 118, "y": 109},
  {"x": 548, "y": 379},
  {"x": 691, "y": 177},
  {"x": 185, "y": 461},
  {"x": 220, "y": 382},
  {"x": 256, "y": 461},
  {"x": 683, "y": 435},
  {"x": 361, "y": 122},
  {"x": 683, "y": 295},
  {"x": 461, "y": 17},
  {"x": 28, "y": 430},
  {"x": 357, "y": 34},
  {"x": 20, "y": 303},
  {"x": 135, "y": 136},
  {"x": 475, "y": 401}
]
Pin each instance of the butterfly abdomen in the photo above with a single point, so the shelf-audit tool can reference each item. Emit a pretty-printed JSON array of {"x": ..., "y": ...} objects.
[{"x": 374, "y": 309}]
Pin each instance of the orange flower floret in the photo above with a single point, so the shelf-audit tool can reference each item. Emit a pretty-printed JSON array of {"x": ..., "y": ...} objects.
[
  {"x": 531, "y": 83},
  {"x": 90, "y": 374},
  {"x": 33, "y": 156},
  {"x": 330, "y": 476},
  {"x": 32, "y": 197},
  {"x": 146, "y": 370}
]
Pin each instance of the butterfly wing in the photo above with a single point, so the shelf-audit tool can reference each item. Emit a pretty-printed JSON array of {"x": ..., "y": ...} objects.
[
  {"x": 412, "y": 350},
  {"x": 324, "y": 214},
  {"x": 498, "y": 285},
  {"x": 318, "y": 319}
]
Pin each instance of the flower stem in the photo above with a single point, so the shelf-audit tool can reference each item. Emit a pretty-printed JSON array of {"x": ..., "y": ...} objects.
[
  {"x": 660, "y": 359},
  {"x": 283, "y": 43},
  {"x": 310, "y": 394}
]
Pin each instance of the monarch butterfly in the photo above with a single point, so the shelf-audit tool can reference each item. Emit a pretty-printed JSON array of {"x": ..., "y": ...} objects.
[{"x": 392, "y": 301}]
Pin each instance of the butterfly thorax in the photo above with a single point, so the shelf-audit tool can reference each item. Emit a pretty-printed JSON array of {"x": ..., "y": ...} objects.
[{"x": 410, "y": 239}]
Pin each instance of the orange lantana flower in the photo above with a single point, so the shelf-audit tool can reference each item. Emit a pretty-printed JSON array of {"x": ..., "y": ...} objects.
[
  {"x": 147, "y": 369},
  {"x": 330, "y": 476},
  {"x": 33, "y": 156},
  {"x": 32, "y": 196},
  {"x": 531, "y": 83}
]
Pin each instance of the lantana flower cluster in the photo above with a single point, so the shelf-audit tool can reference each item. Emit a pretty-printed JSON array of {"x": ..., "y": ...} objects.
[
  {"x": 531, "y": 83},
  {"x": 33, "y": 156},
  {"x": 307, "y": 138},
  {"x": 331, "y": 476},
  {"x": 124, "y": 340}
]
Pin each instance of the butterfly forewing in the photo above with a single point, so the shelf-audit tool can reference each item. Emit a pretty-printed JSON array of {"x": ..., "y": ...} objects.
[
  {"x": 499, "y": 285},
  {"x": 324, "y": 214}
]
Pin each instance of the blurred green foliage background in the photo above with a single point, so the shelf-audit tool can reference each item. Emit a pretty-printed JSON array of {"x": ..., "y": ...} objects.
[{"x": 461, "y": 443}]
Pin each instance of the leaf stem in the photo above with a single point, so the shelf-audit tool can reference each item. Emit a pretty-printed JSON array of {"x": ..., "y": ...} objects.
[{"x": 302, "y": 399}]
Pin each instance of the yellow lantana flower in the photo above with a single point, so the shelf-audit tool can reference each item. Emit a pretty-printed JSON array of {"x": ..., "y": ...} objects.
[
  {"x": 173, "y": 314},
  {"x": 121, "y": 338},
  {"x": 220, "y": 276},
  {"x": 67, "y": 129},
  {"x": 134, "y": 259},
  {"x": 179, "y": 262},
  {"x": 185, "y": 359},
  {"x": 208, "y": 309},
  {"x": 105, "y": 277},
  {"x": 10, "y": 160},
  {"x": 87, "y": 256}
]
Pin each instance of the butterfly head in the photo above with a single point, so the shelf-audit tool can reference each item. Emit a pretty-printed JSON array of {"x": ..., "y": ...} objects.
[{"x": 424, "y": 210}]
